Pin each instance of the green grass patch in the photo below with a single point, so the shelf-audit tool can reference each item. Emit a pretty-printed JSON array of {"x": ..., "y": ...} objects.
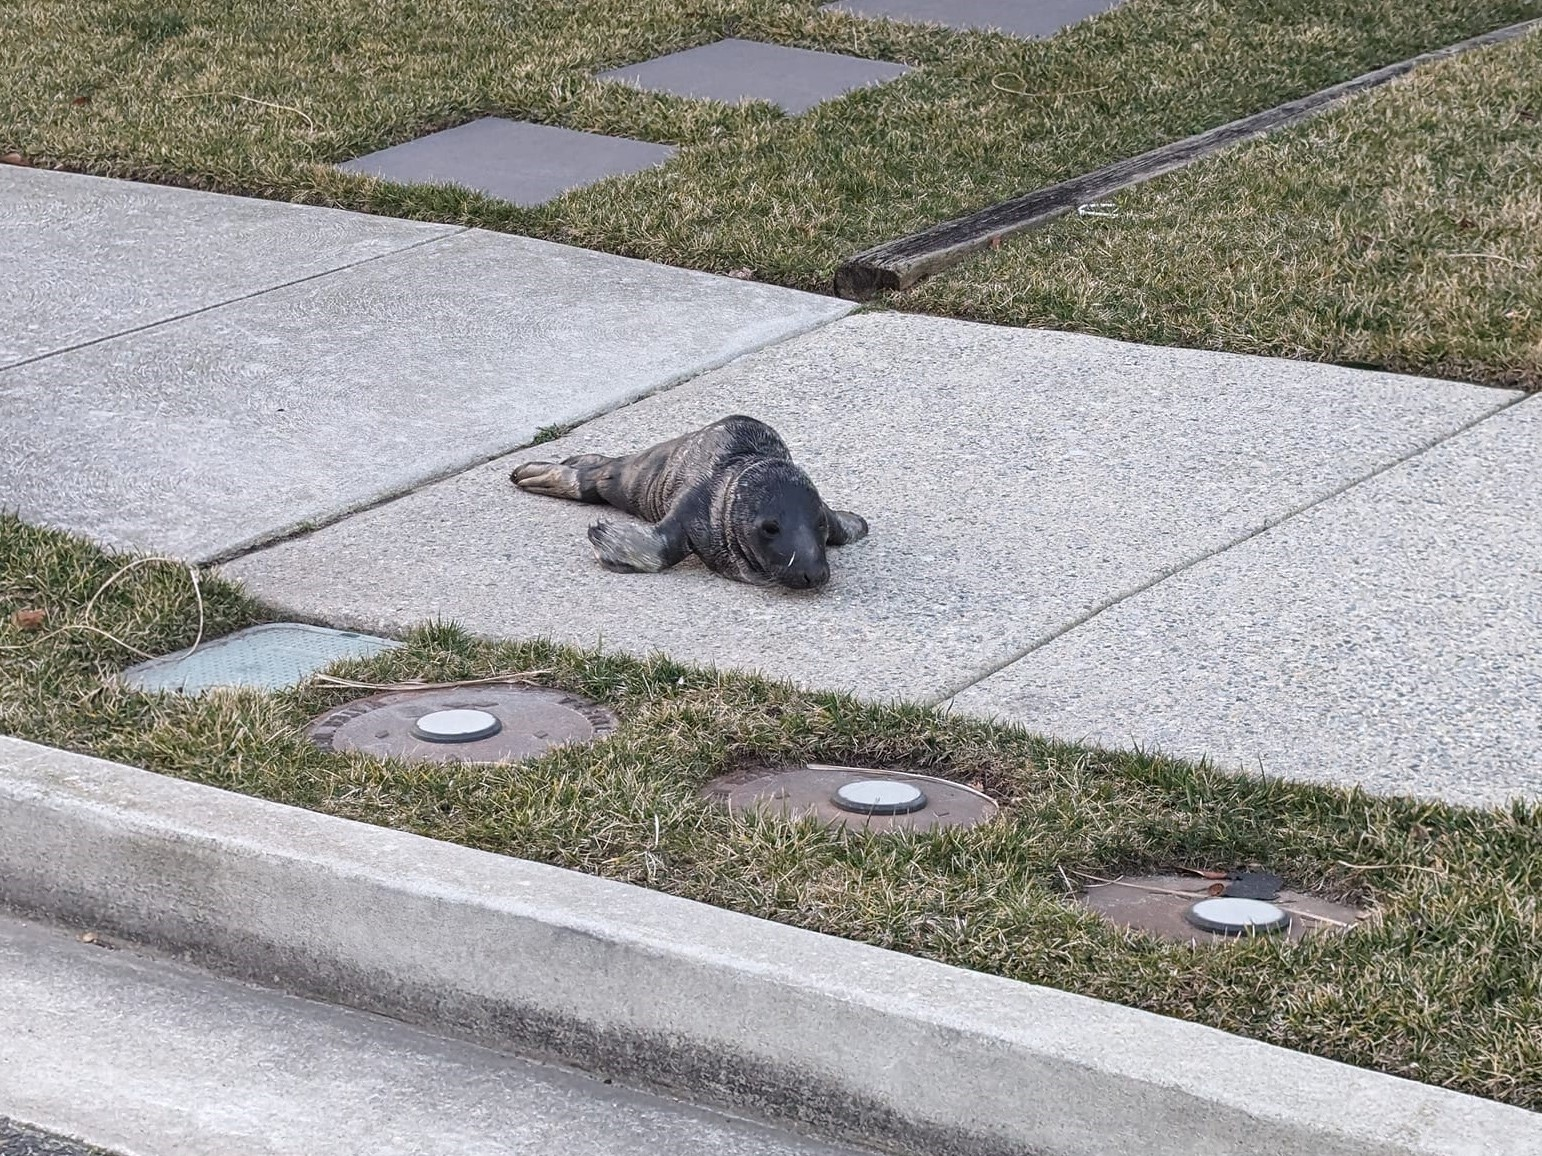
[
  {"x": 1440, "y": 983},
  {"x": 1402, "y": 230}
]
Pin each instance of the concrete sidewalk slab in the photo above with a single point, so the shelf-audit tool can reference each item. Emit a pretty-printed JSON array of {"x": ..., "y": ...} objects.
[
  {"x": 904, "y": 1053},
  {"x": 229, "y": 427},
  {"x": 1014, "y": 480},
  {"x": 143, "y": 1055},
  {"x": 88, "y": 257},
  {"x": 1390, "y": 638}
]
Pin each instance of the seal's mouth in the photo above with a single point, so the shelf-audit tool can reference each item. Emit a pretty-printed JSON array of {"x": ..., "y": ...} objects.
[
  {"x": 784, "y": 579},
  {"x": 810, "y": 575},
  {"x": 803, "y": 577}
]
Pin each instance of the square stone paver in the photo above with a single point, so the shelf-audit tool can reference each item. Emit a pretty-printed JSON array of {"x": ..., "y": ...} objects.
[
  {"x": 219, "y": 430},
  {"x": 795, "y": 79},
  {"x": 270, "y": 656},
  {"x": 1014, "y": 481},
  {"x": 88, "y": 257},
  {"x": 1390, "y": 637},
  {"x": 527, "y": 164},
  {"x": 1025, "y": 18}
]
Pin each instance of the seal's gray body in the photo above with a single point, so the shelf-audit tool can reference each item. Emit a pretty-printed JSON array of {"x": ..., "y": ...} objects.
[{"x": 728, "y": 493}]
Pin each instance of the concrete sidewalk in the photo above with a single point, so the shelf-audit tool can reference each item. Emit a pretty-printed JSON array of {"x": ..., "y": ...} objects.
[
  {"x": 1019, "y": 483},
  {"x": 1321, "y": 572},
  {"x": 240, "y": 368}
]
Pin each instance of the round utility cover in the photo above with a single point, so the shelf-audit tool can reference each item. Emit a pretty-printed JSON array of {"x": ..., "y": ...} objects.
[
  {"x": 798, "y": 791},
  {"x": 450, "y": 724},
  {"x": 1228, "y": 915},
  {"x": 879, "y": 797},
  {"x": 456, "y": 726},
  {"x": 1159, "y": 904}
]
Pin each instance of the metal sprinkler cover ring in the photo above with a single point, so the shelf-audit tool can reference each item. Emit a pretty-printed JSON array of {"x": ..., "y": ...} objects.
[
  {"x": 525, "y": 722},
  {"x": 1229, "y": 915},
  {"x": 1159, "y": 904}
]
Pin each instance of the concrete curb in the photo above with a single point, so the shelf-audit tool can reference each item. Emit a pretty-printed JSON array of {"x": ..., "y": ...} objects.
[{"x": 861, "y": 1043}]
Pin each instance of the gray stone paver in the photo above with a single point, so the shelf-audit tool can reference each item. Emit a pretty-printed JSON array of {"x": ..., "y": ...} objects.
[
  {"x": 1025, "y": 18},
  {"x": 794, "y": 79},
  {"x": 270, "y": 656},
  {"x": 1389, "y": 638},
  {"x": 87, "y": 257},
  {"x": 1014, "y": 480},
  {"x": 527, "y": 164},
  {"x": 200, "y": 437}
]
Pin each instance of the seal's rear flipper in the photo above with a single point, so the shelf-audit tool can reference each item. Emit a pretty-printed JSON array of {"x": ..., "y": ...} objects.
[
  {"x": 845, "y": 528},
  {"x": 576, "y": 479},
  {"x": 631, "y": 549},
  {"x": 549, "y": 478}
]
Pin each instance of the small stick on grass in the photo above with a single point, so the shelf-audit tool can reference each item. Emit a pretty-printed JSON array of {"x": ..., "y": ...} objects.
[
  {"x": 249, "y": 100},
  {"x": 1492, "y": 257},
  {"x": 513, "y": 676},
  {"x": 192, "y": 572},
  {"x": 1387, "y": 867},
  {"x": 1070, "y": 888}
]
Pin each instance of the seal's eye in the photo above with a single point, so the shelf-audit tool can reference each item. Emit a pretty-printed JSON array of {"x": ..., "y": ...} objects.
[{"x": 770, "y": 529}]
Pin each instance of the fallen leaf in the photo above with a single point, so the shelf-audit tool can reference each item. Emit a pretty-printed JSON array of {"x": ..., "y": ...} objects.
[
  {"x": 13, "y": 159},
  {"x": 81, "y": 100},
  {"x": 1206, "y": 873},
  {"x": 28, "y": 619},
  {"x": 1215, "y": 889},
  {"x": 995, "y": 242},
  {"x": 742, "y": 274}
]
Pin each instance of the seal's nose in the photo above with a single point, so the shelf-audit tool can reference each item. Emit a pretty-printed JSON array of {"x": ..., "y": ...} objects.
[{"x": 808, "y": 577}]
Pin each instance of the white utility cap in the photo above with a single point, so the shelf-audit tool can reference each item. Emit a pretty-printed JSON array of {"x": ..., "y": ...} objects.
[
  {"x": 1228, "y": 915},
  {"x": 880, "y": 797},
  {"x": 456, "y": 726}
]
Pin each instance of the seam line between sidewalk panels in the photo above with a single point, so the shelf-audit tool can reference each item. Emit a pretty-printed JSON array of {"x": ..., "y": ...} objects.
[
  {"x": 406, "y": 489},
  {"x": 1204, "y": 556},
  {"x": 148, "y": 325}
]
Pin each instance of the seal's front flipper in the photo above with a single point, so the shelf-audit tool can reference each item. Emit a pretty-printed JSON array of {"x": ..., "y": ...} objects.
[
  {"x": 630, "y": 549},
  {"x": 844, "y": 528}
]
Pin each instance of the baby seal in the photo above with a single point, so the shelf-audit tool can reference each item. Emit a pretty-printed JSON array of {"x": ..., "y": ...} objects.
[{"x": 729, "y": 493}]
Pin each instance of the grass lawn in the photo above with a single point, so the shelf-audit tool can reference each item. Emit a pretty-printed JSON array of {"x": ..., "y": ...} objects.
[
  {"x": 262, "y": 98},
  {"x": 1440, "y": 983},
  {"x": 1402, "y": 230}
]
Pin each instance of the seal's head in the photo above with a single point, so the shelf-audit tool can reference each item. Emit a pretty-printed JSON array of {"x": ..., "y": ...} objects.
[{"x": 777, "y": 524}]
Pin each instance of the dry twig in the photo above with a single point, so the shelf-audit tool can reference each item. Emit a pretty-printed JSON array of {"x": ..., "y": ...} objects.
[{"x": 100, "y": 590}]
